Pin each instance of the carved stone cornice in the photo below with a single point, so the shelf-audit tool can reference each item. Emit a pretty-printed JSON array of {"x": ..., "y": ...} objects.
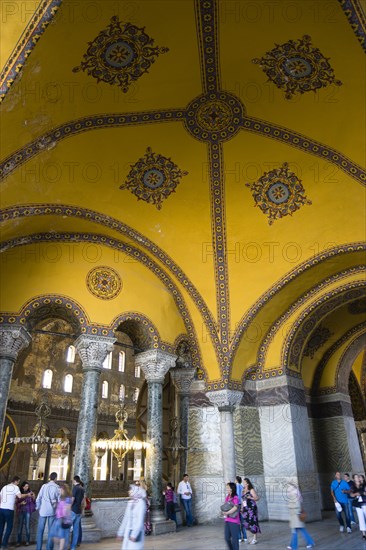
[
  {"x": 93, "y": 350},
  {"x": 13, "y": 338},
  {"x": 182, "y": 379},
  {"x": 225, "y": 399},
  {"x": 155, "y": 364}
]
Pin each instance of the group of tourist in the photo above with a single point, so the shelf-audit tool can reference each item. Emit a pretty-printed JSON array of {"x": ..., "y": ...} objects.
[
  {"x": 349, "y": 495},
  {"x": 57, "y": 506},
  {"x": 243, "y": 513}
]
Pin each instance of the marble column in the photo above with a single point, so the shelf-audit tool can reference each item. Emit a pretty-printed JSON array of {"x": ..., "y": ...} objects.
[
  {"x": 155, "y": 364},
  {"x": 182, "y": 379},
  {"x": 287, "y": 446},
  {"x": 13, "y": 339},
  {"x": 92, "y": 350},
  {"x": 226, "y": 400}
]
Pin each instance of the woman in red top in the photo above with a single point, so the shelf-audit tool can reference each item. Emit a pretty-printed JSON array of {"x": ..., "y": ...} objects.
[{"x": 232, "y": 519}]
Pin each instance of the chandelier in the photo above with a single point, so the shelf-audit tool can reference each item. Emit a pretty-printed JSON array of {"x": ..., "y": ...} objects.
[
  {"x": 39, "y": 441},
  {"x": 119, "y": 444}
]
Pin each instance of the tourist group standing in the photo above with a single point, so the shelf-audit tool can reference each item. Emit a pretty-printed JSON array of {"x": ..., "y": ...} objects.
[{"x": 58, "y": 508}]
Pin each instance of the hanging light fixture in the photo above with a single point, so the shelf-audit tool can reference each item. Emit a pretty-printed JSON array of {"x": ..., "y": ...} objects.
[
  {"x": 119, "y": 444},
  {"x": 39, "y": 441}
]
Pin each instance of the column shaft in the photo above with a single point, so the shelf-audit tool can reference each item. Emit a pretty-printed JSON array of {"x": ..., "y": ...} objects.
[
  {"x": 87, "y": 426},
  {"x": 12, "y": 340},
  {"x": 154, "y": 455},
  {"x": 227, "y": 443},
  {"x": 6, "y": 372},
  {"x": 184, "y": 411}
]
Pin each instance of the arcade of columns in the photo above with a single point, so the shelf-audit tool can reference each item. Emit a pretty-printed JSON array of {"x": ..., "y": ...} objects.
[{"x": 265, "y": 431}]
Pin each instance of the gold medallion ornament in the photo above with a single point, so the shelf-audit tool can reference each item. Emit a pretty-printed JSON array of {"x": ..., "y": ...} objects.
[
  {"x": 278, "y": 193},
  {"x": 153, "y": 178},
  {"x": 297, "y": 67},
  {"x": 104, "y": 282},
  {"x": 120, "y": 54}
]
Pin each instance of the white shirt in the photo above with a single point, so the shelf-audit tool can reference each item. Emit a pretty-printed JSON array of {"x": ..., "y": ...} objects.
[
  {"x": 185, "y": 487},
  {"x": 8, "y": 495}
]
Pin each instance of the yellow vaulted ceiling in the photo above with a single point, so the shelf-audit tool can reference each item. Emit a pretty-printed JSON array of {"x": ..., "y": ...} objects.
[{"x": 215, "y": 123}]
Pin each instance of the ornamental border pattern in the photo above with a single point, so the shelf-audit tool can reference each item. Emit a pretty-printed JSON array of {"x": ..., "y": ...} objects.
[
  {"x": 138, "y": 238},
  {"x": 344, "y": 359},
  {"x": 141, "y": 318},
  {"x": 116, "y": 120},
  {"x": 356, "y": 18},
  {"x": 261, "y": 357},
  {"x": 283, "y": 282},
  {"x": 37, "y": 25},
  {"x": 207, "y": 25},
  {"x": 356, "y": 288},
  {"x": 316, "y": 391},
  {"x": 137, "y": 255}
]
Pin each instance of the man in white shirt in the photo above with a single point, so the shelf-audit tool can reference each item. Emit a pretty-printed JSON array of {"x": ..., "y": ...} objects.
[
  {"x": 46, "y": 503},
  {"x": 8, "y": 497},
  {"x": 185, "y": 492}
]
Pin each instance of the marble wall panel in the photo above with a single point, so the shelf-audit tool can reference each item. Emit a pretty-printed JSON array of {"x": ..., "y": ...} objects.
[
  {"x": 204, "y": 442},
  {"x": 108, "y": 514},
  {"x": 248, "y": 443}
]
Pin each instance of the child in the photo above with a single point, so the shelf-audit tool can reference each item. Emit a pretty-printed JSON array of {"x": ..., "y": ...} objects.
[{"x": 170, "y": 499}]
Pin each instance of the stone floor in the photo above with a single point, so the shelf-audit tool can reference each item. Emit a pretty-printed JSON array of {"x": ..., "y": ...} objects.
[{"x": 274, "y": 535}]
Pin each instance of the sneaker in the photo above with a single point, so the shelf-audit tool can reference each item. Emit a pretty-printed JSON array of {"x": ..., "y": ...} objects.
[
  {"x": 254, "y": 541},
  {"x": 349, "y": 530},
  {"x": 289, "y": 547},
  {"x": 341, "y": 528},
  {"x": 310, "y": 546}
]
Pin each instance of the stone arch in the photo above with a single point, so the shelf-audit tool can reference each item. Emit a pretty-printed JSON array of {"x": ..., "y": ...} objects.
[
  {"x": 344, "y": 367},
  {"x": 139, "y": 328},
  {"x": 312, "y": 316},
  {"x": 54, "y": 306}
]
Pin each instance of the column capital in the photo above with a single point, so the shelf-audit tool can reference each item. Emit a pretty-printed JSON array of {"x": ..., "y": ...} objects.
[
  {"x": 13, "y": 339},
  {"x": 182, "y": 379},
  {"x": 225, "y": 399},
  {"x": 93, "y": 350},
  {"x": 155, "y": 364}
]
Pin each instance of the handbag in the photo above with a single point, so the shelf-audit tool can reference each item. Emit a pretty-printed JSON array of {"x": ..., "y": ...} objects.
[
  {"x": 227, "y": 506},
  {"x": 302, "y": 515}
]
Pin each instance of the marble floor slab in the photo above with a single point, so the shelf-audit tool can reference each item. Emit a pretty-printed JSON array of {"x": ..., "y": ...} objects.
[{"x": 275, "y": 535}]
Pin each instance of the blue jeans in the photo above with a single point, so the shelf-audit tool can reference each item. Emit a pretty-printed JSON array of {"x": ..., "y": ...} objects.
[
  {"x": 339, "y": 515},
  {"x": 231, "y": 535},
  {"x": 24, "y": 519},
  {"x": 41, "y": 527},
  {"x": 242, "y": 531},
  {"x": 76, "y": 518},
  {"x": 6, "y": 516},
  {"x": 304, "y": 533},
  {"x": 350, "y": 510},
  {"x": 187, "y": 505}
]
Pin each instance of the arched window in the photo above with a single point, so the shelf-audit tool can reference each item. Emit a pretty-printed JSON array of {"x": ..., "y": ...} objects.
[
  {"x": 68, "y": 382},
  {"x": 137, "y": 372},
  {"x": 107, "y": 363},
  {"x": 122, "y": 392},
  {"x": 70, "y": 357},
  {"x": 105, "y": 389},
  {"x": 121, "y": 361},
  {"x": 136, "y": 394},
  {"x": 47, "y": 379}
]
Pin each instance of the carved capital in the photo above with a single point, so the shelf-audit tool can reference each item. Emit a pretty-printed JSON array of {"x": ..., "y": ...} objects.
[
  {"x": 155, "y": 364},
  {"x": 225, "y": 399},
  {"x": 13, "y": 338},
  {"x": 182, "y": 379},
  {"x": 93, "y": 350}
]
